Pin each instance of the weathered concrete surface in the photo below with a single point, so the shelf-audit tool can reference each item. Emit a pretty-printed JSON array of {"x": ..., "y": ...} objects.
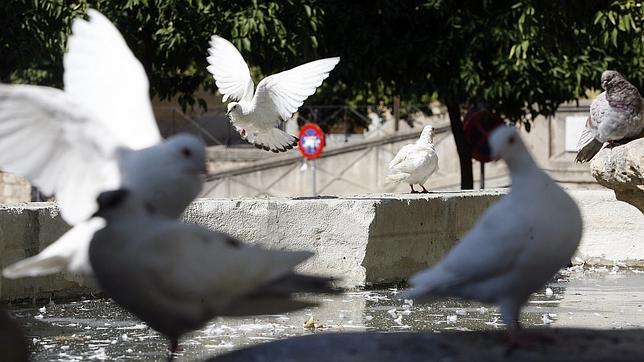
[
  {"x": 554, "y": 345},
  {"x": 613, "y": 230},
  {"x": 621, "y": 169},
  {"x": 366, "y": 240},
  {"x": 25, "y": 230}
]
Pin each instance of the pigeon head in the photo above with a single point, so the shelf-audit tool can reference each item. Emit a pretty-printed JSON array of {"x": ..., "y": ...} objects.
[
  {"x": 504, "y": 143},
  {"x": 427, "y": 136},
  {"x": 233, "y": 108},
  {"x": 187, "y": 154},
  {"x": 610, "y": 78}
]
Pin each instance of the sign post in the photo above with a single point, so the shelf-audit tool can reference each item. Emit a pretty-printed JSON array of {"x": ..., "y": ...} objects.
[{"x": 311, "y": 144}]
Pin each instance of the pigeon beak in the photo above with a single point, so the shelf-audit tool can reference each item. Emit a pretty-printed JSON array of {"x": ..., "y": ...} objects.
[
  {"x": 228, "y": 112},
  {"x": 604, "y": 84}
]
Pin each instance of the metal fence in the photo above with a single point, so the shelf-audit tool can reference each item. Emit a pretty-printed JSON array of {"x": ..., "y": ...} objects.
[{"x": 352, "y": 168}]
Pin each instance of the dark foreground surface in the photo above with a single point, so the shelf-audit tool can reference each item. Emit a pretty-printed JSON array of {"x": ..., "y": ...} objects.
[
  {"x": 605, "y": 305},
  {"x": 554, "y": 345}
]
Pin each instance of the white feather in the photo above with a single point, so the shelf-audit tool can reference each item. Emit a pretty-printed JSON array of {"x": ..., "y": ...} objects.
[
  {"x": 102, "y": 74},
  {"x": 416, "y": 162},
  {"x": 97, "y": 135},
  {"x": 283, "y": 93},
  {"x": 61, "y": 148},
  {"x": 276, "y": 98},
  {"x": 230, "y": 71}
]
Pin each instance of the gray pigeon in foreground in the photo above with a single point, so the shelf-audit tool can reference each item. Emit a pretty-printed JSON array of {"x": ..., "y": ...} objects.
[
  {"x": 616, "y": 116},
  {"x": 93, "y": 136},
  {"x": 516, "y": 246},
  {"x": 414, "y": 163},
  {"x": 176, "y": 276}
]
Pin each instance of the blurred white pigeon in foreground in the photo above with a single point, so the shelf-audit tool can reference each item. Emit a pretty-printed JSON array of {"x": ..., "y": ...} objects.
[
  {"x": 616, "y": 115},
  {"x": 414, "y": 163},
  {"x": 257, "y": 116},
  {"x": 516, "y": 246},
  {"x": 96, "y": 135},
  {"x": 176, "y": 276}
]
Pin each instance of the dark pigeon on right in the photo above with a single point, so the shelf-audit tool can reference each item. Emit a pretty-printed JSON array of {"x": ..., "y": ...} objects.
[{"x": 616, "y": 116}]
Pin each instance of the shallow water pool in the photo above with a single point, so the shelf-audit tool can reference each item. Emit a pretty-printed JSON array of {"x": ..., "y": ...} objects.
[{"x": 98, "y": 329}]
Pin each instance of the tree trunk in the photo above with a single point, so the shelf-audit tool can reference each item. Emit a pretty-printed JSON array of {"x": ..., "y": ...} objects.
[{"x": 462, "y": 146}]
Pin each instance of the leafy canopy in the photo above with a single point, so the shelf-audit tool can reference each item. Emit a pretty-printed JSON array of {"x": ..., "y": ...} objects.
[{"x": 169, "y": 37}]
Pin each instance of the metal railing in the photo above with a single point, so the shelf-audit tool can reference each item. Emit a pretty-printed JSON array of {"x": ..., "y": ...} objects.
[{"x": 331, "y": 168}]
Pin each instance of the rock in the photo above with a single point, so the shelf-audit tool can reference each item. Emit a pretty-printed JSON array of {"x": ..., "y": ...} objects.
[
  {"x": 556, "y": 344},
  {"x": 621, "y": 169}
]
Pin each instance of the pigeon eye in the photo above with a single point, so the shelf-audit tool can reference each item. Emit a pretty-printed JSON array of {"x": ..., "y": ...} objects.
[
  {"x": 511, "y": 140},
  {"x": 186, "y": 152}
]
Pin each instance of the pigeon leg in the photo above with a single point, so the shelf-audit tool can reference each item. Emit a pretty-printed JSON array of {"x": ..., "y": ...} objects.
[
  {"x": 424, "y": 189},
  {"x": 519, "y": 338},
  {"x": 412, "y": 189},
  {"x": 174, "y": 348}
]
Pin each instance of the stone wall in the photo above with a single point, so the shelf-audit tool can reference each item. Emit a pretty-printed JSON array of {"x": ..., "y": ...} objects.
[
  {"x": 366, "y": 240},
  {"x": 14, "y": 189}
]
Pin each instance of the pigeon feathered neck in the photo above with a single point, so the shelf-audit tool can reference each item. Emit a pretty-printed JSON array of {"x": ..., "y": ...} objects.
[
  {"x": 426, "y": 137},
  {"x": 623, "y": 95},
  {"x": 521, "y": 164}
]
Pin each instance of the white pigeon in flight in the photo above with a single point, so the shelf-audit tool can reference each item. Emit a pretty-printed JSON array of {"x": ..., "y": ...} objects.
[
  {"x": 516, "y": 246},
  {"x": 256, "y": 114},
  {"x": 416, "y": 162},
  {"x": 616, "y": 116},
  {"x": 96, "y": 135},
  {"x": 176, "y": 276}
]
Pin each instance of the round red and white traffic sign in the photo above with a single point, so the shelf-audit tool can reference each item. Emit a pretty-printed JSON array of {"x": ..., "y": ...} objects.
[{"x": 311, "y": 141}]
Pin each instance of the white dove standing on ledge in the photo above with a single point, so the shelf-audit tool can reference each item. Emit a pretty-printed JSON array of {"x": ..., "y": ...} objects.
[
  {"x": 616, "y": 115},
  {"x": 414, "y": 163},
  {"x": 96, "y": 135},
  {"x": 516, "y": 246},
  {"x": 257, "y": 116}
]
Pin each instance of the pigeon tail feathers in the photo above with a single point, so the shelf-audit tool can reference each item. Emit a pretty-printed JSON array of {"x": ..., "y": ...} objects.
[
  {"x": 587, "y": 152},
  {"x": 274, "y": 140}
]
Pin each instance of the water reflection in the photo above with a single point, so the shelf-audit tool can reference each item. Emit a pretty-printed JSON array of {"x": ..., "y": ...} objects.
[{"x": 97, "y": 329}]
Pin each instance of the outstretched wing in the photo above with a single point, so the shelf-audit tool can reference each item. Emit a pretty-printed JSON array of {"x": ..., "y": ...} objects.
[
  {"x": 59, "y": 147},
  {"x": 230, "y": 70},
  {"x": 67, "y": 254},
  {"x": 102, "y": 75},
  {"x": 281, "y": 94}
]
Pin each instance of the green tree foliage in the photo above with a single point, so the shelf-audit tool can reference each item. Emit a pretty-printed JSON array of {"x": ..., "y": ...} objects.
[
  {"x": 169, "y": 37},
  {"x": 517, "y": 58}
]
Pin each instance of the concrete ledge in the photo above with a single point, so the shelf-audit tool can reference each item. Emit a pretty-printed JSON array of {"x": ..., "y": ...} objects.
[
  {"x": 366, "y": 240},
  {"x": 557, "y": 345}
]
